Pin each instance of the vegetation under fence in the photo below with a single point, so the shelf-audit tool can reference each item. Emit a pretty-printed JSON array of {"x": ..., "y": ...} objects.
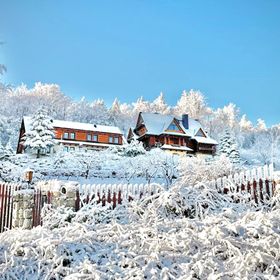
[
  {"x": 116, "y": 193},
  {"x": 16, "y": 210},
  {"x": 6, "y": 204},
  {"x": 258, "y": 182}
]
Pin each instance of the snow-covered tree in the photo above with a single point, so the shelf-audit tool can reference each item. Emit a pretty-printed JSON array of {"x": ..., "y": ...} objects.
[
  {"x": 115, "y": 113},
  {"x": 134, "y": 148},
  {"x": 192, "y": 103},
  {"x": 228, "y": 147},
  {"x": 141, "y": 105},
  {"x": 194, "y": 170},
  {"x": 40, "y": 137},
  {"x": 261, "y": 126},
  {"x": 2, "y": 149},
  {"x": 245, "y": 124},
  {"x": 222, "y": 118},
  {"x": 159, "y": 105},
  {"x": 100, "y": 113}
]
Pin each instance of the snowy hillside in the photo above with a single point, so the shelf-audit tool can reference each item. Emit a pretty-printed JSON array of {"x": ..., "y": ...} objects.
[{"x": 257, "y": 144}]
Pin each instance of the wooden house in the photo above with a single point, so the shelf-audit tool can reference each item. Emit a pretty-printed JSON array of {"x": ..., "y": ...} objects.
[
  {"x": 74, "y": 135},
  {"x": 177, "y": 135}
]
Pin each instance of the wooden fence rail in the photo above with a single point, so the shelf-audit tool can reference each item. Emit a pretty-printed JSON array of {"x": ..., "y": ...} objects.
[
  {"x": 6, "y": 205},
  {"x": 115, "y": 194},
  {"x": 259, "y": 183}
]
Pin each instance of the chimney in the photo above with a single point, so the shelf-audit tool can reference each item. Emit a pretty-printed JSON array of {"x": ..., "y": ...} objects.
[{"x": 185, "y": 120}]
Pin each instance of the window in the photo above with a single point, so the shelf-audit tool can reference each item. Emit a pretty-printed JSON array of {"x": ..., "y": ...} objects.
[
  {"x": 95, "y": 138},
  {"x": 172, "y": 126},
  {"x": 65, "y": 149},
  {"x": 65, "y": 135},
  {"x": 72, "y": 148},
  {"x": 174, "y": 141},
  {"x": 110, "y": 139},
  {"x": 72, "y": 135},
  {"x": 89, "y": 137},
  {"x": 200, "y": 133},
  {"x": 116, "y": 140}
]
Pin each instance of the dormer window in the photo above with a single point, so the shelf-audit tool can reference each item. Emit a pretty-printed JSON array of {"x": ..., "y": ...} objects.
[
  {"x": 173, "y": 127},
  {"x": 200, "y": 133}
]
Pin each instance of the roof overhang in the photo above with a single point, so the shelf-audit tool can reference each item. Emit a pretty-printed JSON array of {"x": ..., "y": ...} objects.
[
  {"x": 176, "y": 148},
  {"x": 205, "y": 140}
]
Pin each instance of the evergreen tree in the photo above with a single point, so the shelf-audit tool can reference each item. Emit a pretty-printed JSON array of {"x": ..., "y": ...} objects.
[
  {"x": 9, "y": 148},
  {"x": 228, "y": 147},
  {"x": 2, "y": 149},
  {"x": 41, "y": 135},
  {"x": 141, "y": 106},
  {"x": 133, "y": 149},
  {"x": 115, "y": 112}
]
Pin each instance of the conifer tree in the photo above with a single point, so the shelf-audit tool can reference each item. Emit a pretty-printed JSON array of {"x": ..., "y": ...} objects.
[
  {"x": 229, "y": 148},
  {"x": 41, "y": 135}
]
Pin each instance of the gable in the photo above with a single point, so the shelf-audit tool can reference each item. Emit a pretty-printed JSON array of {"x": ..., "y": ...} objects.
[
  {"x": 130, "y": 134},
  {"x": 139, "y": 120},
  {"x": 174, "y": 127},
  {"x": 200, "y": 133}
]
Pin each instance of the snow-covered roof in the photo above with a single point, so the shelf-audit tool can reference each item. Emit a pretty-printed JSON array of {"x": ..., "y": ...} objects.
[
  {"x": 205, "y": 140},
  {"x": 179, "y": 148},
  {"x": 157, "y": 124},
  {"x": 78, "y": 125}
]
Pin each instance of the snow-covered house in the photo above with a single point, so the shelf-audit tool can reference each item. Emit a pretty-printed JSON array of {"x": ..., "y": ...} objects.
[
  {"x": 177, "y": 135},
  {"x": 75, "y": 135}
]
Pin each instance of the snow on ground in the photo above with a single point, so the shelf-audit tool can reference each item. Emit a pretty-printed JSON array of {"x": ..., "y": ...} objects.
[
  {"x": 181, "y": 233},
  {"x": 127, "y": 165}
]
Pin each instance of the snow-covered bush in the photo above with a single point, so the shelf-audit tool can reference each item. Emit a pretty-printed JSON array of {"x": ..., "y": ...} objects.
[
  {"x": 195, "y": 170},
  {"x": 133, "y": 149},
  {"x": 148, "y": 240}
]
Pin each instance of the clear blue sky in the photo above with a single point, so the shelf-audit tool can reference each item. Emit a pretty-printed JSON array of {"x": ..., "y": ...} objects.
[{"x": 230, "y": 50}]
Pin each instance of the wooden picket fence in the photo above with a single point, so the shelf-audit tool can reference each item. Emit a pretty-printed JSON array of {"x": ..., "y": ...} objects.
[
  {"x": 6, "y": 204},
  {"x": 7, "y": 191},
  {"x": 115, "y": 194},
  {"x": 40, "y": 200},
  {"x": 258, "y": 182}
]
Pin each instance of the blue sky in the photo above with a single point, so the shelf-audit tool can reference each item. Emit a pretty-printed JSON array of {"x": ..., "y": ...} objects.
[{"x": 230, "y": 50}]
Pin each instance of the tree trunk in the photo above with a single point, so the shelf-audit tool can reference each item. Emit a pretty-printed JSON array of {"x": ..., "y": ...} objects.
[{"x": 38, "y": 153}]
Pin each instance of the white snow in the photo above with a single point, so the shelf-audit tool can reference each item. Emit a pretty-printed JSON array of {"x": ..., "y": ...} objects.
[
  {"x": 180, "y": 148},
  {"x": 181, "y": 233},
  {"x": 79, "y": 126},
  {"x": 205, "y": 140}
]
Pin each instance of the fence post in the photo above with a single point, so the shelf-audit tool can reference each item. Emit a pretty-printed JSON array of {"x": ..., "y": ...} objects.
[{"x": 276, "y": 183}]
